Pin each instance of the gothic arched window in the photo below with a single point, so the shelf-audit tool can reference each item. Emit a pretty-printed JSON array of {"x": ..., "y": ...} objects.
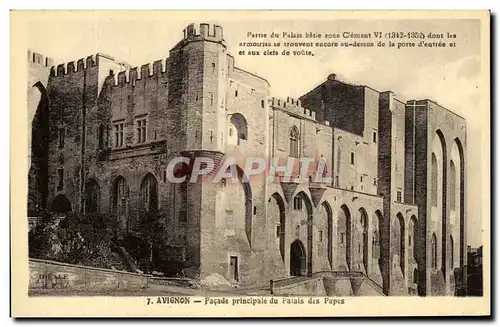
[
  {"x": 149, "y": 193},
  {"x": 294, "y": 142},
  {"x": 120, "y": 196}
]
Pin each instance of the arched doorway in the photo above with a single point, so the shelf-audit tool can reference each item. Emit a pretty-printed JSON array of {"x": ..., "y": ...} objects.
[
  {"x": 60, "y": 204},
  {"x": 238, "y": 129},
  {"x": 297, "y": 259},
  {"x": 306, "y": 219}
]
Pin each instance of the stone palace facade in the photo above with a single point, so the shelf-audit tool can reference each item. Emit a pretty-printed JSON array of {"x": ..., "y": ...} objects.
[{"x": 394, "y": 210}]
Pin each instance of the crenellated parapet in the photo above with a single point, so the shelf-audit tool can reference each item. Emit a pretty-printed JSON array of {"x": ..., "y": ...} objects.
[
  {"x": 294, "y": 107},
  {"x": 135, "y": 74},
  {"x": 203, "y": 31},
  {"x": 37, "y": 58},
  {"x": 72, "y": 67}
]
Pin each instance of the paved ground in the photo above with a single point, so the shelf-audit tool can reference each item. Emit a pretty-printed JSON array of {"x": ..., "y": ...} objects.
[{"x": 153, "y": 290}]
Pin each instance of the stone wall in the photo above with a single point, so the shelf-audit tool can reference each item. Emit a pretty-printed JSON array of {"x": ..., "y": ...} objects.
[{"x": 57, "y": 275}]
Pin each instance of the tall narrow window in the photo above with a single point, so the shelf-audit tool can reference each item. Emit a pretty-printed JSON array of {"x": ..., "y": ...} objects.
[
  {"x": 434, "y": 251},
  {"x": 120, "y": 196},
  {"x": 374, "y": 137},
  {"x": 118, "y": 135},
  {"x": 297, "y": 203},
  {"x": 398, "y": 196},
  {"x": 183, "y": 209},
  {"x": 352, "y": 158},
  {"x": 60, "y": 179},
  {"x": 100, "y": 133},
  {"x": 149, "y": 193},
  {"x": 141, "y": 126},
  {"x": 233, "y": 263},
  {"x": 434, "y": 180},
  {"x": 262, "y": 103},
  {"x": 294, "y": 142},
  {"x": 62, "y": 133}
]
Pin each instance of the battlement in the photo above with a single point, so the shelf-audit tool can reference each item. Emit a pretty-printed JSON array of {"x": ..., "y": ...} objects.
[
  {"x": 132, "y": 75},
  {"x": 293, "y": 106},
  {"x": 70, "y": 67},
  {"x": 37, "y": 58},
  {"x": 205, "y": 31}
]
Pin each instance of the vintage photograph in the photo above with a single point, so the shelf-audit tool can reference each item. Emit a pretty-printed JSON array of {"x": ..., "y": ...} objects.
[{"x": 171, "y": 157}]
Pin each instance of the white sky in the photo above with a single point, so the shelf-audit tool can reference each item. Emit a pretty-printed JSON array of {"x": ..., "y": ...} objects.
[{"x": 450, "y": 76}]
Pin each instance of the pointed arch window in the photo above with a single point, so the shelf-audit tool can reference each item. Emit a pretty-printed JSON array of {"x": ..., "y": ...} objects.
[
  {"x": 294, "y": 142},
  {"x": 120, "y": 196},
  {"x": 149, "y": 193}
]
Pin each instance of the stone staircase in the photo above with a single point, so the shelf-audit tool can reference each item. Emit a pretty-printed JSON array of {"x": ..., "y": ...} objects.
[
  {"x": 330, "y": 283},
  {"x": 122, "y": 259}
]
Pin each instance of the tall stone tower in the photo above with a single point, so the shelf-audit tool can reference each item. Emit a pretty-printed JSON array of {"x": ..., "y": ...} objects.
[{"x": 197, "y": 80}]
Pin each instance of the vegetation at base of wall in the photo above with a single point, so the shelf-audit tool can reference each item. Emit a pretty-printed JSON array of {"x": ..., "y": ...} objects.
[
  {"x": 149, "y": 245},
  {"x": 96, "y": 240},
  {"x": 84, "y": 239}
]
